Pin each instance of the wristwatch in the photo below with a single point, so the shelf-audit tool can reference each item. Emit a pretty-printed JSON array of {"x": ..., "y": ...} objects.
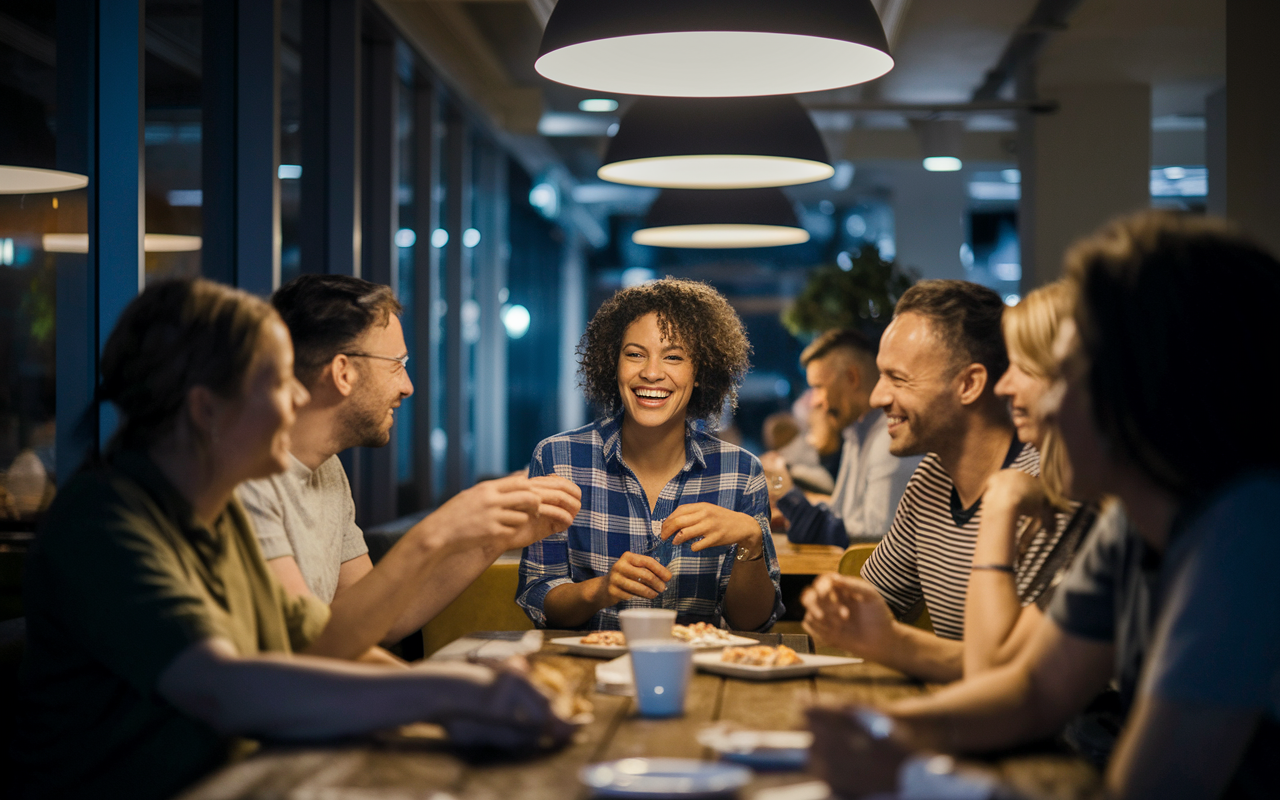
[{"x": 744, "y": 553}]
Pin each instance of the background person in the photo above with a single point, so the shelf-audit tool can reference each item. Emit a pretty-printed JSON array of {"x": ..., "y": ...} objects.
[
  {"x": 156, "y": 635},
  {"x": 841, "y": 370},
  {"x": 672, "y": 517},
  {"x": 1168, "y": 608},
  {"x": 351, "y": 356}
]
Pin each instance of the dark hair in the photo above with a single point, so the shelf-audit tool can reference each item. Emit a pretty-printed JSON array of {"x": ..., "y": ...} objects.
[
  {"x": 175, "y": 336},
  {"x": 849, "y": 339},
  {"x": 1160, "y": 297},
  {"x": 967, "y": 319},
  {"x": 326, "y": 313},
  {"x": 689, "y": 312}
]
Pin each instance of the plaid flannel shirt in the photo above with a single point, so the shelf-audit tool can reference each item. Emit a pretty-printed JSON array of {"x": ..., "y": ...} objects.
[{"x": 615, "y": 519}]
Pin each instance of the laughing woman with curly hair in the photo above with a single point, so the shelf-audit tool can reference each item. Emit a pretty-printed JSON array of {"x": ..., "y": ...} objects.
[{"x": 671, "y": 517}]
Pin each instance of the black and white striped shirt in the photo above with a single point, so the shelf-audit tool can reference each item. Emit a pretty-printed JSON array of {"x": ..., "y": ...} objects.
[{"x": 928, "y": 551}]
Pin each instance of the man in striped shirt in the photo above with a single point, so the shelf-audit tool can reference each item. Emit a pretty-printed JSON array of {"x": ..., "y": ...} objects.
[{"x": 939, "y": 362}]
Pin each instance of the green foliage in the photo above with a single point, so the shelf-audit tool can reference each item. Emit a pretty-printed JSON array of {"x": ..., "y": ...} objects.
[{"x": 861, "y": 297}]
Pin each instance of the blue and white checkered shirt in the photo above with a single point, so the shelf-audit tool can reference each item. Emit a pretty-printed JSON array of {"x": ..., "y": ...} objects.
[{"x": 615, "y": 519}]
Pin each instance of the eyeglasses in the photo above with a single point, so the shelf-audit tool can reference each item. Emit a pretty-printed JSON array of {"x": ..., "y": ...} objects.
[{"x": 403, "y": 360}]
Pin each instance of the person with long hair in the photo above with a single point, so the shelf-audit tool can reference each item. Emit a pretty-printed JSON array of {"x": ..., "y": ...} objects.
[
  {"x": 1002, "y": 606},
  {"x": 159, "y": 641},
  {"x": 672, "y": 517}
]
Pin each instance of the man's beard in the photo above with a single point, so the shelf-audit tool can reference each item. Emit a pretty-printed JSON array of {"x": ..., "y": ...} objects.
[{"x": 362, "y": 425}]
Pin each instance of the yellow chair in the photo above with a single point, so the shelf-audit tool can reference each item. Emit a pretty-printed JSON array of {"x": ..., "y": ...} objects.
[
  {"x": 851, "y": 564},
  {"x": 488, "y": 604}
]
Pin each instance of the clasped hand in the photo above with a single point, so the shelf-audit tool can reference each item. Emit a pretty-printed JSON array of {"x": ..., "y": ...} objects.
[
  {"x": 850, "y": 614},
  {"x": 635, "y": 576}
]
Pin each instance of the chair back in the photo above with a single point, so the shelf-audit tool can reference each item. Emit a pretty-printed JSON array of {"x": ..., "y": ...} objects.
[
  {"x": 488, "y": 604},
  {"x": 851, "y": 564}
]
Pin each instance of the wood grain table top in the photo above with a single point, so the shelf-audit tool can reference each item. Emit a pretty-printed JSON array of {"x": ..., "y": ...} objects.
[{"x": 403, "y": 766}]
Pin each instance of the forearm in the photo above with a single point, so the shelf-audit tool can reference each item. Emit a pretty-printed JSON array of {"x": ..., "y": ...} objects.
[
  {"x": 571, "y": 605},
  {"x": 809, "y": 523},
  {"x": 438, "y": 585},
  {"x": 992, "y": 606},
  {"x": 991, "y": 711},
  {"x": 363, "y": 614},
  {"x": 749, "y": 598},
  {"x": 921, "y": 654},
  {"x": 302, "y": 697}
]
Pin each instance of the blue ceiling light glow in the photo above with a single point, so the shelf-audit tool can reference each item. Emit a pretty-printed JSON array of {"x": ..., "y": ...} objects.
[
  {"x": 289, "y": 172},
  {"x": 406, "y": 238},
  {"x": 439, "y": 238},
  {"x": 546, "y": 198},
  {"x": 470, "y": 238},
  {"x": 516, "y": 319}
]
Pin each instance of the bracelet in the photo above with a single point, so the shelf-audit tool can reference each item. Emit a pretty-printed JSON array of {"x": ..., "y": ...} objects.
[{"x": 994, "y": 567}]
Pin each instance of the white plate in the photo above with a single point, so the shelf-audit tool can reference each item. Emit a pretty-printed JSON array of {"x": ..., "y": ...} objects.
[
  {"x": 760, "y": 750},
  {"x": 575, "y": 645},
  {"x": 809, "y": 665},
  {"x": 639, "y": 778}
]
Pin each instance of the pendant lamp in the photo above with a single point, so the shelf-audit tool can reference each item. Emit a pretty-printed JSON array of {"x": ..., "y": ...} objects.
[
  {"x": 713, "y": 48},
  {"x": 151, "y": 243},
  {"x": 732, "y": 218},
  {"x": 32, "y": 180},
  {"x": 716, "y": 143}
]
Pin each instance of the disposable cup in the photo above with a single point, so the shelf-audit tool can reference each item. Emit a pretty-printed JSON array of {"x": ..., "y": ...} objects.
[
  {"x": 662, "y": 669},
  {"x": 646, "y": 623}
]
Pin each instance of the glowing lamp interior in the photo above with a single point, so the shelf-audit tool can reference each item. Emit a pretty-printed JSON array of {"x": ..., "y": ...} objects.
[
  {"x": 720, "y": 236},
  {"x": 714, "y": 64},
  {"x": 30, "y": 180},
  {"x": 716, "y": 172}
]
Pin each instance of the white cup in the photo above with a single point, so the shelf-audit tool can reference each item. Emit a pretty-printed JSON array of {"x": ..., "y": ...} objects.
[
  {"x": 661, "y": 669},
  {"x": 646, "y": 623}
]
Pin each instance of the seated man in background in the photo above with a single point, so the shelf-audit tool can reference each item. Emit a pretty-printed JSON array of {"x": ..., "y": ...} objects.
[
  {"x": 841, "y": 370},
  {"x": 1179, "y": 608},
  {"x": 939, "y": 362},
  {"x": 351, "y": 357}
]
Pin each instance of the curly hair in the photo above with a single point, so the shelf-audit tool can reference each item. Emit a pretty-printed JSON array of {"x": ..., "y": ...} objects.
[{"x": 690, "y": 313}]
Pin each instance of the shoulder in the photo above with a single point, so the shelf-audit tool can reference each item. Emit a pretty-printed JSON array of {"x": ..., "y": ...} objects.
[
  {"x": 97, "y": 500},
  {"x": 564, "y": 447},
  {"x": 330, "y": 473},
  {"x": 1028, "y": 460},
  {"x": 725, "y": 456},
  {"x": 929, "y": 475},
  {"x": 1237, "y": 521}
]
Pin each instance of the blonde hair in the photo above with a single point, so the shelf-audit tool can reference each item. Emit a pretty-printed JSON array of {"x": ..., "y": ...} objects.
[{"x": 1030, "y": 329}]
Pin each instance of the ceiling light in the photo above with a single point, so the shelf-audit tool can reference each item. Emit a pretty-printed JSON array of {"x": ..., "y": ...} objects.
[
  {"x": 943, "y": 164},
  {"x": 598, "y": 105},
  {"x": 733, "y": 218},
  {"x": 31, "y": 180},
  {"x": 152, "y": 243},
  {"x": 716, "y": 143},
  {"x": 713, "y": 48}
]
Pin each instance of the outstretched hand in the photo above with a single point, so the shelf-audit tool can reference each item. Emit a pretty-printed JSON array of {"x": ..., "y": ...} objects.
[
  {"x": 489, "y": 514},
  {"x": 559, "y": 501},
  {"x": 850, "y": 614}
]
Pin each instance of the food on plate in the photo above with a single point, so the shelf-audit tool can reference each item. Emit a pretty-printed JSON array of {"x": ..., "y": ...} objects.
[
  {"x": 700, "y": 632},
  {"x": 605, "y": 638},
  {"x": 566, "y": 701},
  {"x": 760, "y": 656}
]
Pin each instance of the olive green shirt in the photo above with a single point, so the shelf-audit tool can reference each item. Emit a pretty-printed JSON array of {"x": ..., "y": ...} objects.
[{"x": 121, "y": 580}]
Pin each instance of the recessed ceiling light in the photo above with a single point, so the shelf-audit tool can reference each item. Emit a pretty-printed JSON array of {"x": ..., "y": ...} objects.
[
  {"x": 716, "y": 143},
  {"x": 713, "y": 48},
  {"x": 942, "y": 164},
  {"x": 598, "y": 105}
]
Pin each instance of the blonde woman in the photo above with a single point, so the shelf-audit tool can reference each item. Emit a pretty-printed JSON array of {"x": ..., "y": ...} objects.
[{"x": 1019, "y": 509}]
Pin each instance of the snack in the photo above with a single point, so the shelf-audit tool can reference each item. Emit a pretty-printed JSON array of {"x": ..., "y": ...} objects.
[
  {"x": 566, "y": 702},
  {"x": 606, "y": 638},
  {"x": 760, "y": 656},
  {"x": 701, "y": 632}
]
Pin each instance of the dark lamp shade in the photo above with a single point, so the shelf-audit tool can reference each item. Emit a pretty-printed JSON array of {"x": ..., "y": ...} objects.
[
  {"x": 733, "y": 218},
  {"x": 716, "y": 143},
  {"x": 713, "y": 48}
]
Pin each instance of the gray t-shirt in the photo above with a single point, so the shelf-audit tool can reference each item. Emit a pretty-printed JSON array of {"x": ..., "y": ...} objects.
[
  {"x": 1196, "y": 624},
  {"x": 310, "y": 516}
]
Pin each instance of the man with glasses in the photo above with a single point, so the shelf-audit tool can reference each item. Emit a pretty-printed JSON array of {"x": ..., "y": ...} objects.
[{"x": 350, "y": 354}]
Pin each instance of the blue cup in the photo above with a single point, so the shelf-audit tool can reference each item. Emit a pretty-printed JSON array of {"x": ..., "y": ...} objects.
[{"x": 661, "y": 669}]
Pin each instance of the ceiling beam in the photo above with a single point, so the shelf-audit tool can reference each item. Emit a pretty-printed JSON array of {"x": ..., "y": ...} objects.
[{"x": 1047, "y": 18}]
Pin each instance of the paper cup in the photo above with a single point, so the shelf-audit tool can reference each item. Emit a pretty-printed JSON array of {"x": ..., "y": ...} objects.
[
  {"x": 646, "y": 623},
  {"x": 662, "y": 669}
]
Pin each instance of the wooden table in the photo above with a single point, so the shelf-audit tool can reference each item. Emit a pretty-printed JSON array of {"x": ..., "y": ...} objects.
[
  {"x": 375, "y": 768},
  {"x": 806, "y": 559}
]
